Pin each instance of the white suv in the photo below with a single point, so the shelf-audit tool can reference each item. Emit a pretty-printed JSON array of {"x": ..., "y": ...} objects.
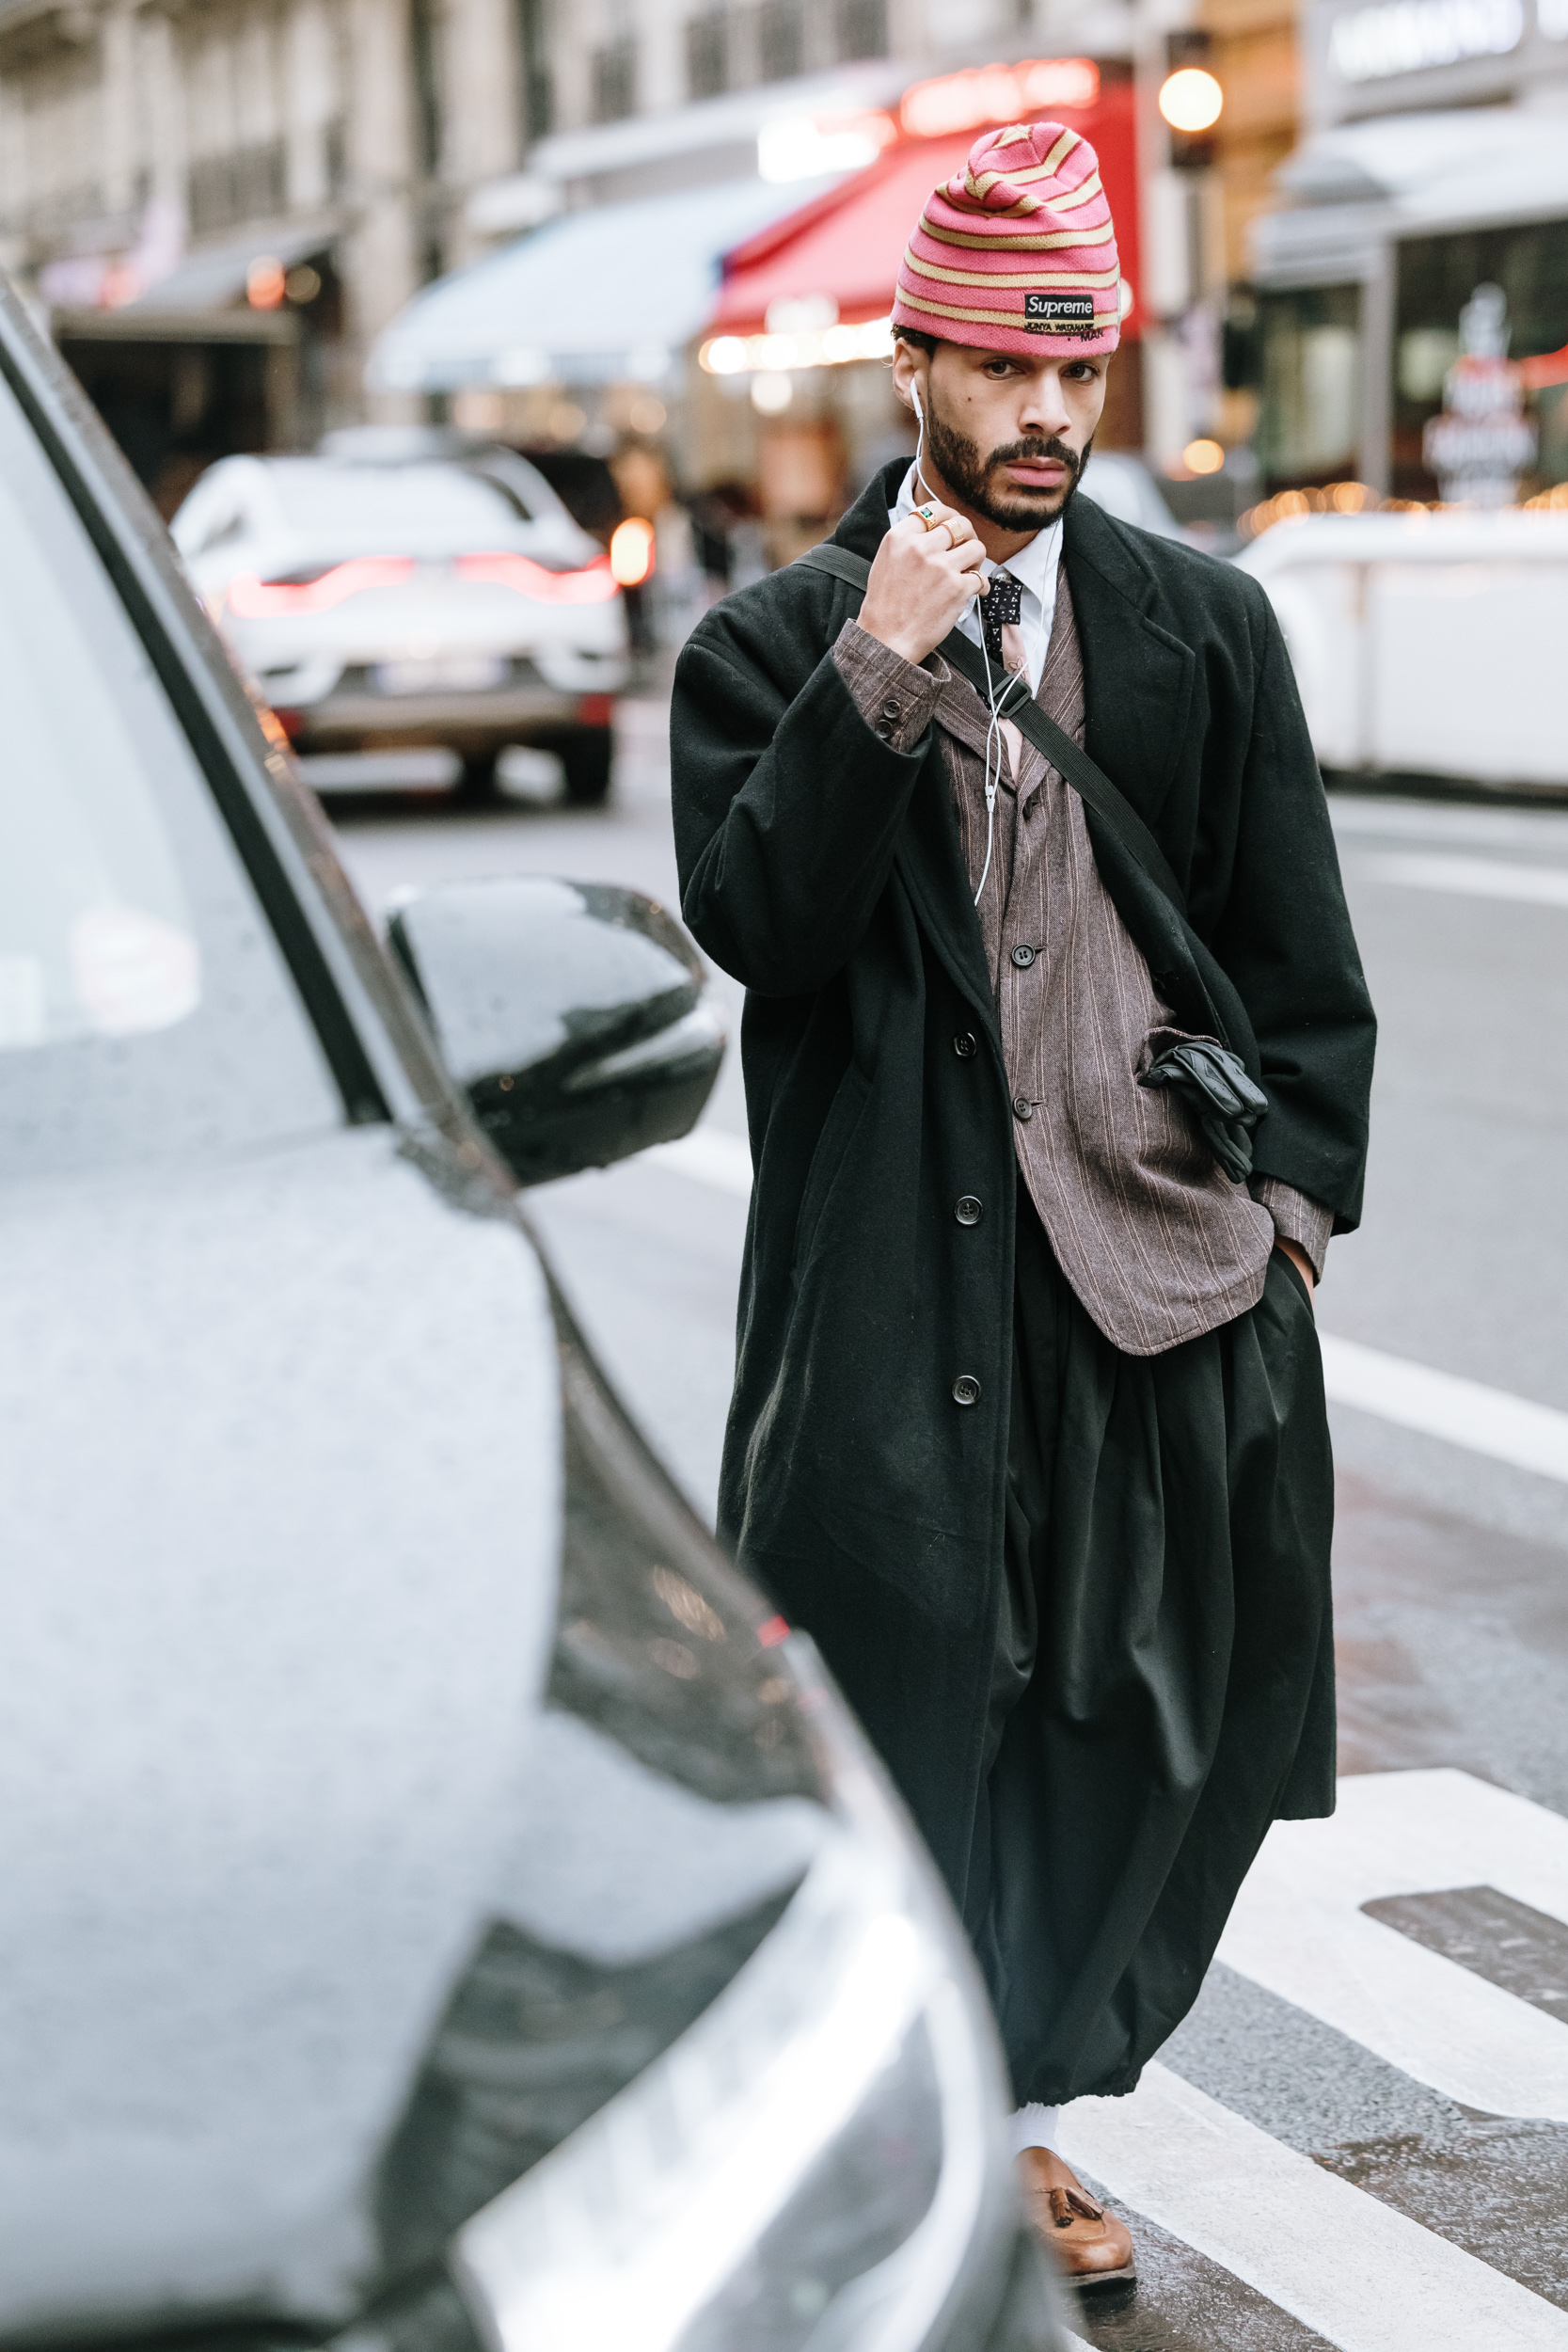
[{"x": 384, "y": 601}]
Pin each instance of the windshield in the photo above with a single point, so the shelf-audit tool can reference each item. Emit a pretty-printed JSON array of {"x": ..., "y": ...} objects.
[
  {"x": 415, "y": 507},
  {"x": 144, "y": 1008}
]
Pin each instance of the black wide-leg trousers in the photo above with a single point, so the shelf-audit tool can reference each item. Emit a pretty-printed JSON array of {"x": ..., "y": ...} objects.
[{"x": 1164, "y": 1683}]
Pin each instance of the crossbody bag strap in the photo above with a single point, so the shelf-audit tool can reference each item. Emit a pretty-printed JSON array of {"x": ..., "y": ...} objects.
[{"x": 1087, "y": 779}]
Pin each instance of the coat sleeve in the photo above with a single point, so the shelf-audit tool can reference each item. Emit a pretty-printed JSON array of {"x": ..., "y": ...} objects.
[
  {"x": 1286, "y": 941},
  {"x": 786, "y": 807}
]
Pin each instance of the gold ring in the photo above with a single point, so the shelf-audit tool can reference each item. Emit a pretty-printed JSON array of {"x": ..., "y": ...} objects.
[{"x": 928, "y": 516}]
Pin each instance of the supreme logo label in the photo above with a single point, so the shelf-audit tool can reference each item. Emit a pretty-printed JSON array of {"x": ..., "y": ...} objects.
[{"x": 1058, "y": 314}]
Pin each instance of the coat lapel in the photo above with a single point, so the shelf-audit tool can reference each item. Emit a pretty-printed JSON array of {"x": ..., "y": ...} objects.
[{"x": 1137, "y": 677}]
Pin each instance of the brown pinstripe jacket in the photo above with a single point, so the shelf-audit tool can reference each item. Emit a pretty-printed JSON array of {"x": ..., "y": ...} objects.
[{"x": 1156, "y": 1241}]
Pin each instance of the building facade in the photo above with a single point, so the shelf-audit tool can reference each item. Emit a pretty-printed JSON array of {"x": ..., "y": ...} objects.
[
  {"x": 221, "y": 205},
  {"x": 1433, "y": 166}
]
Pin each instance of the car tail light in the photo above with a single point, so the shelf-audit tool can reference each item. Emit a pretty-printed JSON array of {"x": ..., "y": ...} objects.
[
  {"x": 595, "y": 710},
  {"x": 594, "y": 584},
  {"x": 253, "y": 599}
]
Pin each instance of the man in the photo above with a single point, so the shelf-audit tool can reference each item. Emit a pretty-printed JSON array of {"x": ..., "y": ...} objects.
[{"x": 1028, "y": 1427}]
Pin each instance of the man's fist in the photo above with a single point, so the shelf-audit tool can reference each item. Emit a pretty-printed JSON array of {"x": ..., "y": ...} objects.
[{"x": 923, "y": 579}]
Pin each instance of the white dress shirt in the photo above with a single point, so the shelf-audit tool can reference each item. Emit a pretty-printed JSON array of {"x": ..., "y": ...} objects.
[{"x": 1033, "y": 567}]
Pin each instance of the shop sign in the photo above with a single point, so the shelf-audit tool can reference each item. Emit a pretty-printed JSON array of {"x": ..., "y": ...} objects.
[
  {"x": 1481, "y": 442},
  {"x": 1413, "y": 36}
]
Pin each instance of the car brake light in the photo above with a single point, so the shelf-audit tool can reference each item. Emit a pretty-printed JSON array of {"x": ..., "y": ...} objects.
[
  {"x": 595, "y": 584},
  {"x": 253, "y": 599},
  {"x": 631, "y": 551}
]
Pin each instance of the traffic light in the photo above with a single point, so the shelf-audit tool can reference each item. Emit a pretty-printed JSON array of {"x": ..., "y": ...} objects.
[{"x": 1190, "y": 100}]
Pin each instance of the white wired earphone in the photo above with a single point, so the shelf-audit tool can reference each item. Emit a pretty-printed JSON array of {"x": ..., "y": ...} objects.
[{"x": 996, "y": 695}]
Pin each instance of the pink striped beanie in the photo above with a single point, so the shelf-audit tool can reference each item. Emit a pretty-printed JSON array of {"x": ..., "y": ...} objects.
[{"x": 1016, "y": 252}]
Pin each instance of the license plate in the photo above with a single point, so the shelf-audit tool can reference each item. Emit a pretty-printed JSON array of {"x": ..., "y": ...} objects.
[{"x": 441, "y": 674}]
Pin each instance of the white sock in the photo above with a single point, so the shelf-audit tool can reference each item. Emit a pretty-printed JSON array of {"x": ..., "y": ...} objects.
[{"x": 1035, "y": 2126}]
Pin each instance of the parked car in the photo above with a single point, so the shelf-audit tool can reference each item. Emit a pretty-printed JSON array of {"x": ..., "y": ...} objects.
[
  {"x": 385, "y": 599},
  {"x": 445, "y": 1908},
  {"x": 1396, "y": 624},
  {"x": 1125, "y": 488}
]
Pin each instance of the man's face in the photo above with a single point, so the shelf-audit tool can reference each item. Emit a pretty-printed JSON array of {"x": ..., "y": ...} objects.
[{"x": 1009, "y": 436}]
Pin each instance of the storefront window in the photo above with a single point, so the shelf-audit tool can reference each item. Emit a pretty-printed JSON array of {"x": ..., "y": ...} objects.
[
  {"x": 1309, "y": 420},
  {"x": 1437, "y": 277}
]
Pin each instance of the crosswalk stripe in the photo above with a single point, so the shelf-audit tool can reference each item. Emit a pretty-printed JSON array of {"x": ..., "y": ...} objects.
[
  {"x": 1364, "y": 2276},
  {"x": 1442, "y": 1404},
  {"x": 1298, "y": 1930},
  {"x": 1471, "y": 876}
]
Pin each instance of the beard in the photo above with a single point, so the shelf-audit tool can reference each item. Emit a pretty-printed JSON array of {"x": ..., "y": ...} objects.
[{"x": 983, "y": 487}]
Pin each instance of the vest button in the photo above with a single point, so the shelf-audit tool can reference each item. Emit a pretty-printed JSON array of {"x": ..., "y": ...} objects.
[
  {"x": 965, "y": 1046},
  {"x": 966, "y": 1390},
  {"x": 1023, "y": 1107},
  {"x": 1023, "y": 956},
  {"x": 968, "y": 1210}
]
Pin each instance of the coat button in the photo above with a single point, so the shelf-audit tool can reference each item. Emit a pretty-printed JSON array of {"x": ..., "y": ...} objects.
[
  {"x": 968, "y": 1210},
  {"x": 964, "y": 1046},
  {"x": 1023, "y": 956},
  {"x": 882, "y": 732},
  {"x": 1023, "y": 1107},
  {"x": 966, "y": 1390},
  {"x": 893, "y": 711}
]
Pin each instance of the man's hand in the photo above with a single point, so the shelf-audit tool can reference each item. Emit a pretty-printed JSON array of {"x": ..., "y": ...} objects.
[
  {"x": 921, "y": 580},
  {"x": 1302, "y": 1263}
]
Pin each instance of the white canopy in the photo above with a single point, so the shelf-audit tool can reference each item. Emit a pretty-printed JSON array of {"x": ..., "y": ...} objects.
[
  {"x": 599, "y": 297},
  {"x": 1351, "y": 189}
]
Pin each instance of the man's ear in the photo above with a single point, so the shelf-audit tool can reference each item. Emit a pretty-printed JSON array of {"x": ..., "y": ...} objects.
[{"x": 907, "y": 370}]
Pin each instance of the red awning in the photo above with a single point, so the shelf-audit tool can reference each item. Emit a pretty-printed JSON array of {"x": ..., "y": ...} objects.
[{"x": 846, "y": 245}]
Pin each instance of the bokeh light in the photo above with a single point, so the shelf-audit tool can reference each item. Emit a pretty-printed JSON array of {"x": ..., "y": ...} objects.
[{"x": 1191, "y": 99}]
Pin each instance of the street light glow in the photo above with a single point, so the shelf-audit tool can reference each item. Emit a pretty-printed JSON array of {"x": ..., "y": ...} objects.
[{"x": 1191, "y": 99}]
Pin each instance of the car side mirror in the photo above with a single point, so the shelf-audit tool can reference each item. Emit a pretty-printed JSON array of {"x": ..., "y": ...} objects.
[{"x": 576, "y": 1016}]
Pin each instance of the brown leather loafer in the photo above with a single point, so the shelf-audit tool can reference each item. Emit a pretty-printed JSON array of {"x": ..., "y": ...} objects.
[{"x": 1088, "y": 2244}]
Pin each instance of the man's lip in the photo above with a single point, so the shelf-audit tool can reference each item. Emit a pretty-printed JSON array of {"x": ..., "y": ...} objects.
[{"x": 1047, "y": 471}]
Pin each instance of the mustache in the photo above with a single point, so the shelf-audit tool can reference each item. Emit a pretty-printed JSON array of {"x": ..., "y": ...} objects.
[{"x": 1058, "y": 453}]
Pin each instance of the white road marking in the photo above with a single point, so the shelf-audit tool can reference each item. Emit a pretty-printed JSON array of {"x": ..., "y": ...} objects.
[
  {"x": 709, "y": 1156},
  {"x": 1470, "y": 877},
  {"x": 1442, "y": 1404},
  {"x": 1298, "y": 1930},
  {"x": 1367, "y": 2278}
]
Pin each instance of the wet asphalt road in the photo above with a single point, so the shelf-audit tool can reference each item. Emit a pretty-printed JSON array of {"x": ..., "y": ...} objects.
[{"x": 1369, "y": 2143}]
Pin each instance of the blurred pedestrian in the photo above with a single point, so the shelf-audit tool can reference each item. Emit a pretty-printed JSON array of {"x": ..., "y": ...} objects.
[
  {"x": 1058, "y": 1053},
  {"x": 716, "y": 513}
]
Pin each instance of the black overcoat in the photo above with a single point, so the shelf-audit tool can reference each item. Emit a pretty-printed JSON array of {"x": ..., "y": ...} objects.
[{"x": 822, "y": 868}]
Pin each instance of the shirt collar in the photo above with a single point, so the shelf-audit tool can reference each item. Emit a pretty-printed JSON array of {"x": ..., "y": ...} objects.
[{"x": 1034, "y": 566}]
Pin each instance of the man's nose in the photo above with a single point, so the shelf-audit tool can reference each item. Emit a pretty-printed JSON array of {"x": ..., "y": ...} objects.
[{"x": 1044, "y": 409}]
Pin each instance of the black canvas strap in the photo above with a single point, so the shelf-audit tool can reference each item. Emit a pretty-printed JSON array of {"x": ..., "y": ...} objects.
[{"x": 1087, "y": 779}]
